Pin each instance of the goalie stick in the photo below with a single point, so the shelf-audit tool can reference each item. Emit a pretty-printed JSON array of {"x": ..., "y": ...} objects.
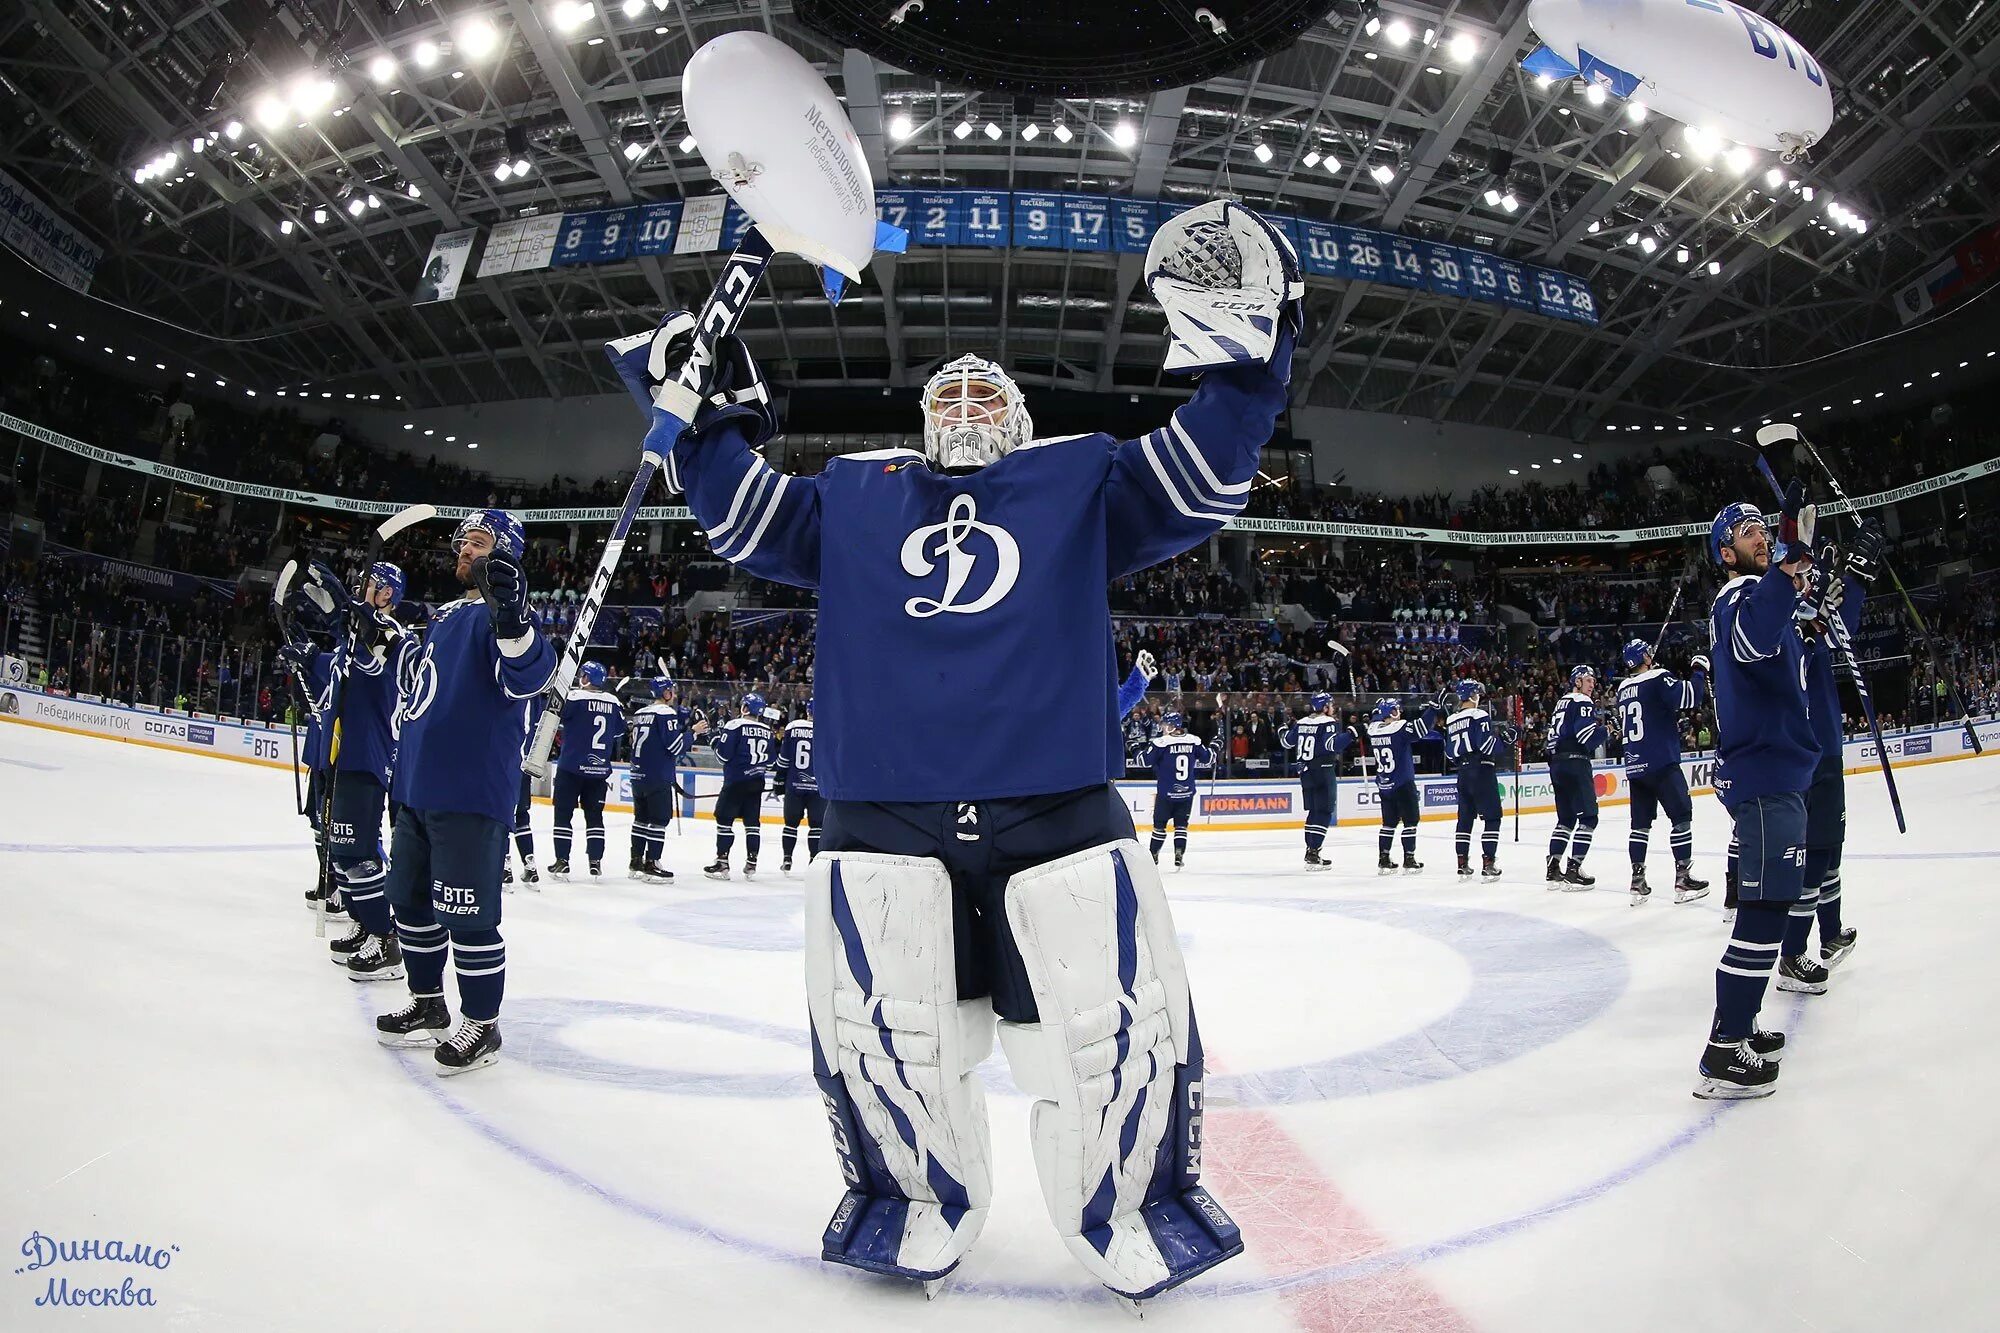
[
  {"x": 343, "y": 653},
  {"x": 742, "y": 272}
]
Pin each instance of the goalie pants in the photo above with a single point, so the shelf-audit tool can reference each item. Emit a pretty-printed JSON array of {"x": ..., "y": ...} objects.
[{"x": 982, "y": 844}]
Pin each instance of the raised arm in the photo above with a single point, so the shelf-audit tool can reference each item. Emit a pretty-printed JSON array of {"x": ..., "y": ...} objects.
[{"x": 1762, "y": 615}]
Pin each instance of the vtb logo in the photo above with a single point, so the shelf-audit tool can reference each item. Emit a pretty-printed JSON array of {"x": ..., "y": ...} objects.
[{"x": 962, "y": 543}]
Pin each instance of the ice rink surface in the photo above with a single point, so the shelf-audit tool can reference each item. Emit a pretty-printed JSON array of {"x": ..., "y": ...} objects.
[{"x": 1434, "y": 1104}]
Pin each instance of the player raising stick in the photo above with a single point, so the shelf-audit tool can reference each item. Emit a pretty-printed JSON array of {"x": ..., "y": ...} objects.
[
  {"x": 457, "y": 772},
  {"x": 1650, "y": 704},
  {"x": 1392, "y": 743},
  {"x": 1317, "y": 741},
  {"x": 1472, "y": 736},
  {"x": 962, "y": 590}
]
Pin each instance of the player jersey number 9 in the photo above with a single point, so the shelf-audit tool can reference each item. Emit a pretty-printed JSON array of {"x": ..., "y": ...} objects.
[
  {"x": 1635, "y": 720},
  {"x": 1183, "y": 763}
]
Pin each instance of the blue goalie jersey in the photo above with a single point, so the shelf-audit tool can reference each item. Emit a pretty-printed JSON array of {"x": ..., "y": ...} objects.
[
  {"x": 461, "y": 721},
  {"x": 1650, "y": 705},
  {"x": 957, "y": 610}
]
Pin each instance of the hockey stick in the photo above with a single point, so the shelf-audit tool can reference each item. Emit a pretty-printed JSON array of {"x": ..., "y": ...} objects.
[
  {"x": 1780, "y": 431},
  {"x": 720, "y": 314},
  {"x": 1672, "y": 607},
  {"x": 1836, "y": 630},
  {"x": 343, "y": 653},
  {"x": 279, "y": 591},
  {"x": 1520, "y": 746}
]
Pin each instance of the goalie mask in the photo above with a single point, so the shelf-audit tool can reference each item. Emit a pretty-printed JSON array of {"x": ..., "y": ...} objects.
[{"x": 973, "y": 415}]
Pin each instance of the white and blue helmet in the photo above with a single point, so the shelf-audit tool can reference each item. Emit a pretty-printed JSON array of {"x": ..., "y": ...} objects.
[
  {"x": 973, "y": 414},
  {"x": 1722, "y": 532},
  {"x": 509, "y": 537},
  {"x": 1636, "y": 653},
  {"x": 591, "y": 674},
  {"x": 1387, "y": 708},
  {"x": 1172, "y": 722},
  {"x": 1577, "y": 673},
  {"x": 389, "y": 576}
]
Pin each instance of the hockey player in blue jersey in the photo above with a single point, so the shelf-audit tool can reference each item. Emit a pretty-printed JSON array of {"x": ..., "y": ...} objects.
[
  {"x": 796, "y": 782},
  {"x": 963, "y": 595},
  {"x": 313, "y": 671},
  {"x": 457, "y": 770},
  {"x": 1473, "y": 740},
  {"x": 1844, "y": 579},
  {"x": 593, "y": 722},
  {"x": 1767, "y": 755},
  {"x": 746, "y": 745},
  {"x": 1391, "y": 742},
  {"x": 661, "y": 732},
  {"x": 524, "y": 807},
  {"x": 1574, "y": 736},
  {"x": 363, "y": 754},
  {"x": 1175, "y": 758},
  {"x": 1650, "y": 704},
  {"x": 1317, "y": 741}
]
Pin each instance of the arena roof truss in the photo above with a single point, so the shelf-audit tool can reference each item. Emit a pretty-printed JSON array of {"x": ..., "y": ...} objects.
[{"x": 1741, "y": 271}]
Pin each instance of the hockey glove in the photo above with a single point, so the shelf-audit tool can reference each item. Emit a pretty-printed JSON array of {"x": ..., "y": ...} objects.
[
  {"x": 1796, "y": 522},
  {"x": 1147, "y": 666},
  {"x": 1698, "y": 665},
  {"x": 299, "y": 656},
  {"x": 737, "y": 389},
  {"x": 505, "y": 588},
  {"x": 1865, "y": 553},
  {"x": 1230, "y": 286}
]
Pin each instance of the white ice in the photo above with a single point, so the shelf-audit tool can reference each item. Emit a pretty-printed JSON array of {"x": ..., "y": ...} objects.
[{"x": 1434, "y": 1104}]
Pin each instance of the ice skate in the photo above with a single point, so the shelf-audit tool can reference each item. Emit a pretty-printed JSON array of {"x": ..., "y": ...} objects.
[
  {"x": 338, "y": 950},
  {"x": 506, "y": 874},
  {"x": 559, "y": 869},
  {"x": 750, "y": 868},
  {"x": 1489, "y": 869},
  {"x": 1733, "y": 1071},
  {"x": 1574, "y": 880},
  {"x": 1641, "y": 890},
  {"x": 1687, "y": 888},
  {"x": 1832, "y": 952},
  {"x": 1798, "y": 972},
  {"x": 718, "y": 870},
  {"x": 530, "y": 877},
  {"x": 1384, "y": 866},
  {"x": 651, "y": 872},
  {"x": 474, "y": 1046},
  {"x": 1314, "y": 861},
  {"x": 1411, "y": 865},
  {"x": 1464, "y": 868},
  {"x": 1554, "y": 875},
  {"x": 378, "y": 958},
  {"x": 597, "y": 870},
  {"x": 421, "y": 1022}
]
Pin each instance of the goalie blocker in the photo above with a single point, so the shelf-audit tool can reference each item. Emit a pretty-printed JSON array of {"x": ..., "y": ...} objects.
[{"x": 908, "y": 960}]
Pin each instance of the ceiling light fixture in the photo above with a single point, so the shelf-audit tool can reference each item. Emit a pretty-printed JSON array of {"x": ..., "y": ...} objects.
[
  {"x": 962, "y": 130},
  {"x": 382, "y": 68},
  {"x": 1262, "y": 151},
  {"x": 900, "y": 126},
  {"x": 1031, "y": 132},
  {"x": 425, "y": 54},
  {"x": 992, "y": 131},
  {"x": 1123, "y": 134},
  {"x": 1383, "y": 173},
  {"x": 1594, "y": 94}
]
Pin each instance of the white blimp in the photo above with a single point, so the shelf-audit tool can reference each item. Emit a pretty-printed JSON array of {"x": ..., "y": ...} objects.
[
  {"x": 1706, "y": 63},
  {"x": 779, "y": 141}
]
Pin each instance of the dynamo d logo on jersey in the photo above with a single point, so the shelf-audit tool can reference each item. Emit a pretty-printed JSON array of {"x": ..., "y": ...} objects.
[{"x": 980, "y": 560}]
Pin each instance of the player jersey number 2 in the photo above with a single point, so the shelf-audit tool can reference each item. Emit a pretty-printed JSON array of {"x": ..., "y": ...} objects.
[
  {"x": 1635, "y": 720},
  {"x": 597, "y": 737}
]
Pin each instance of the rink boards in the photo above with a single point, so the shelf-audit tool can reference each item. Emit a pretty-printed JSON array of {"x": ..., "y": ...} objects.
[{"x": 1247, "y": 804}]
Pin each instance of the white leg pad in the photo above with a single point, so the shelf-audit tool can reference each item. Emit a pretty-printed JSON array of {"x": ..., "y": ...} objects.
[
  {"x": 1115, "y": 1067},
  {"x": 894, "y": 1052}
]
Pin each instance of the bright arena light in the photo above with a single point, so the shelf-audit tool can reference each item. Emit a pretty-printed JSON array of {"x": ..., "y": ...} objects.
[
  {"x": 1398, "y": 33},
  {"x": 382, "y": 68},
  {"x": 900, "y": 126},
  {"x": 425, "y": 54},
  {"x": 270, "y": 111},
  {"x": 477, "y": 37},
  {"x": 1463, "y": 47},
  {"x": 1594, "y": 94},
  {"x": 1123, "y": 134}
]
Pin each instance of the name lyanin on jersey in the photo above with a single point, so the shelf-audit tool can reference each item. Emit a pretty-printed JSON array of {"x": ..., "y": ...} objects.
[
  {"x": 1650, "y": 705},
  {"x": 746, "y": 748},
  {"x": 593, "y": 723},
  {"x": 1469, "y": 740},
  {"x": 1764, "y": 735},
  {"x": 461, "y": 718},
  {"x": 955, "y": 609},
  {"x": 796, "y": 758},
  {"x": 1316, "y": 741},
  {"x": 1175, "y": 760},
  {"x": 1393, "y": 745},
  {"x": 1574, "y": 731},
  {"x": 659, "y": 740}
]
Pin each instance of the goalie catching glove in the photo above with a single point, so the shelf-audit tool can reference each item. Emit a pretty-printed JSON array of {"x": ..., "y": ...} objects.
[{"x": 1229, "y": 283}]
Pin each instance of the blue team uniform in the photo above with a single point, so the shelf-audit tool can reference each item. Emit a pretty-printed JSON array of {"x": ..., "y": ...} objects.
[
  {"x": 317, "y": 682},
  {"x": 1650, "y": 704},
  {"x": 524, "y": 803},
  {"x": 1132, "y": 691},
  {"x": 1317, "y": 741},
  {"x": 746, "y": 747},
  {"x": 363, "y": 759},
  {"x": 1471, "y": 743},
  {"x": 593, "y": 723},
  {"x": 798, "y": 780},
  {"x": 1574, "y": 734},
  {"x": 659, "y": 735},
  {"x": 1393, "y": 744},
  {"x": 457, "y": 780},
  {"x": 953, "y": 606},
  {"x": 1175, "y": 760}
]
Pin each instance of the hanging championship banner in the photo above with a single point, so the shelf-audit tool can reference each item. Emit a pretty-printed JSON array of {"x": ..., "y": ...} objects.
[
  {"x": 43, "y": 238},
  {"x": 450, "y": 253},
  {"x": 514, "y": 247},
  {"x": 701, "y": 225}
]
